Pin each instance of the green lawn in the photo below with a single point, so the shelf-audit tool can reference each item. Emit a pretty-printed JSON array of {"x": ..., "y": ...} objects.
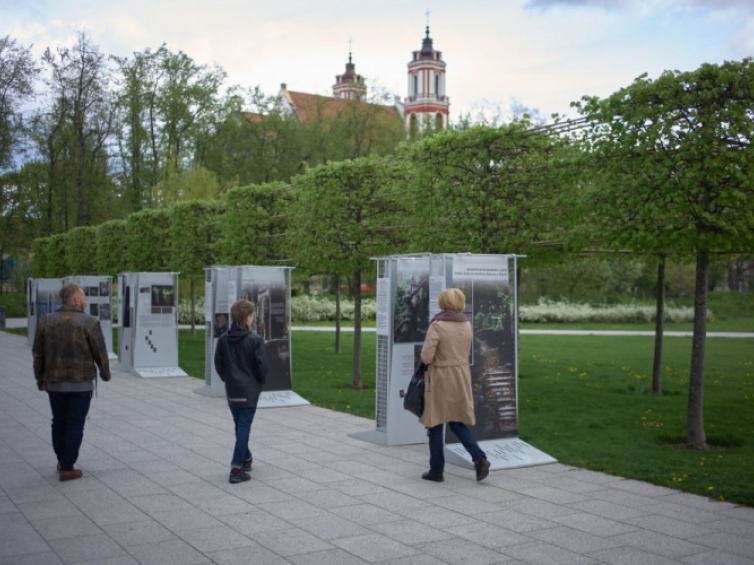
[
  {"x": 737, "y": 325},
  {"x": 583, "y": 400}
]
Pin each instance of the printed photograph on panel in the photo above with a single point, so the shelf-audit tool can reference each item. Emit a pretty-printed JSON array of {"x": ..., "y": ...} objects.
[
  {"x": 163, "y": 295},
  {"x": 104, "y": 288},
  {"x": 94, "y": 310},
  {"x": 43, "y": 304},
  {"x": 411, "y": 309},
  {"x": 267, "y": 290},
  {"x": 104, "y": 312},
  {"x": 220, "y": 325},
  {"x": 489, "y": 308}
]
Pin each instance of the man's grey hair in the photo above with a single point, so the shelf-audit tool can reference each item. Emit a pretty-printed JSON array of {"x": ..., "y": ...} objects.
[{"x": 68, "y": 291}]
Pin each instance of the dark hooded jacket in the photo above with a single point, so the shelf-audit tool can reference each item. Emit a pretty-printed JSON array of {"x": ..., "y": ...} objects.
[{"x": 241, "y": 362}]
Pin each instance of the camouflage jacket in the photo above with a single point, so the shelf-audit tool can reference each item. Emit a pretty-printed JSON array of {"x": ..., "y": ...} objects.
[{"x": 67, "y": 346}]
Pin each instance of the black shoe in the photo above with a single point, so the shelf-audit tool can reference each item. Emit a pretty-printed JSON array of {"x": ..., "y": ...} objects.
[
  {"x": 238, "y": 476},
  {"x": 247, "y": 464},
  {"x": 433, "y": 476},
  {"x": 482, "y": 467}
]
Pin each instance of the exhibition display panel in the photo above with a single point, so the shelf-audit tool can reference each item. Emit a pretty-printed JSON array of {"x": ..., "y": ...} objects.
[
  {"x": 269, "y": 289},
  {"x": 488, "y": 282},
  {"x": 402, "y": 320},
  {"x": 99, "y": 291},
  {"x": 216, "y": 322},
  {"x": 148, "y": 324},
  {"x": 42, "y": 298}
]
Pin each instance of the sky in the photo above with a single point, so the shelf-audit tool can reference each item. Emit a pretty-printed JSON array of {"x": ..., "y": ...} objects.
[{"x": 542, "y": 53}]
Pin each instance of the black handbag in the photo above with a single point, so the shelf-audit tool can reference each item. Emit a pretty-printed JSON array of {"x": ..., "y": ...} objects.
[{"x": 413, "y": 399}]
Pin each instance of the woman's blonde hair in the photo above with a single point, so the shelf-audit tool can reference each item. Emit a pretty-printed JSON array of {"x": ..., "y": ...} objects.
[{"x": 452, "y": 299}]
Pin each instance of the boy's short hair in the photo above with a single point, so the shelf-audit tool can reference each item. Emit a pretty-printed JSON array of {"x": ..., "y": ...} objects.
[
  {"x": 452, "y": 299},
  {"x": 241, "y": 310},
  {"x": 67, "y": 292}
]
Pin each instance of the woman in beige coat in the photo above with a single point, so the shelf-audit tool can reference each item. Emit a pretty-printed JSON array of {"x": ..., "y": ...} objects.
[{"x": 447, "y": 386}]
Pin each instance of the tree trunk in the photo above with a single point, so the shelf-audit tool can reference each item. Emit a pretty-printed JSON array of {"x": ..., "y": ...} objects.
[
  {"x": 193, "y": 308},
  {"x": 357, "y": 330},
  {"x": 696, "y": 437},
  {"x": 338, "y": 347},
  {"x": 659, "y": 323}
]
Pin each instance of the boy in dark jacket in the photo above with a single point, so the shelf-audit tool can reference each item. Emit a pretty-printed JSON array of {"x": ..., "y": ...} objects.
[{"x": 241, "y": 362}]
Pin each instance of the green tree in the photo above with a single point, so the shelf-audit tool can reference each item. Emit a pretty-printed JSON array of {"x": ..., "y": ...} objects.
[
  {"x": 486, "y": 190},
  {"x": 81, "y": 251},
  {"x": 256, "y": 224},
  {"x": 345, "y": 213},
  {"x": 83, "y": 115},
  {"x": 134, "y": 89},
  {"x": 167, "y": 103},
  {"x": 17, "y": 74},
  {"x": 254, "y": 142},
  {"x": 111, "y": 248},
  {"x": 195, "y": 229},
  {"x": 57, "y": 266},
  {"x": 688, "y": 139},
  {"x": 148, "y": 241},
  {"x": 40, "y": 257}
]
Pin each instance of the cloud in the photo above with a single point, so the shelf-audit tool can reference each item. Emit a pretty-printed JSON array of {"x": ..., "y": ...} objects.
[
  {"x": 746, "y": 6},
  {"x": 743, "y": 43},
  {"x": 607, "y": 4},
  {"x": 729, "y": 6}
]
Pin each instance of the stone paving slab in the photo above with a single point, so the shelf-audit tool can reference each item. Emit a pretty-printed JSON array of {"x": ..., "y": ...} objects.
[{"x": 155, "y": 491}]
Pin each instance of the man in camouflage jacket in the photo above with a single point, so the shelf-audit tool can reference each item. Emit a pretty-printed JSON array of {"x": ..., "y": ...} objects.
[{"x": 68, "y": 348}]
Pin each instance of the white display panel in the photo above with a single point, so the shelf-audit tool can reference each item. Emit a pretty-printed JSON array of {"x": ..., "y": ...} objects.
[
  {"x": 268, "y": 288},
  {"x": 488, "y": 282},
  {"x": 43, "y": 297},
  {"x": 217, "y": 315},
  {"x": 403, "y": 300},
  {"x": 99, "y": 291},
  {"x": 148, "y": 324}
]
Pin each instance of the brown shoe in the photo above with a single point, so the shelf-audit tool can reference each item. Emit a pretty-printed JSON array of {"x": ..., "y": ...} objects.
[
  {"x": 482, "y": 467},
  {"x": 71, "y": 475}
]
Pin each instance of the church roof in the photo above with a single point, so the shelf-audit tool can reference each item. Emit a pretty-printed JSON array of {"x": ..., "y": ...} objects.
[{"x": 309, "y": 107}]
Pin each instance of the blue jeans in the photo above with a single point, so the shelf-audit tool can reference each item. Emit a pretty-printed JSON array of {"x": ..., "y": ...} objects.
[
  {"x": 242, "y": 418},
  {"x": 437, "y": 445},
  {"x": 69, "y": 410}
]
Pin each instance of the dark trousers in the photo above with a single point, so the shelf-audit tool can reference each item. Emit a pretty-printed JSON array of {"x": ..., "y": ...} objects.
[
  {"x": 437, "y": 445},
  {"x": 242, "y": 417},
  {"x": 69, "y": 410}
]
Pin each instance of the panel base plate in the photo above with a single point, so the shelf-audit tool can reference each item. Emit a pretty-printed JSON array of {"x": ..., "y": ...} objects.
[{"x": 509, "y": 453}]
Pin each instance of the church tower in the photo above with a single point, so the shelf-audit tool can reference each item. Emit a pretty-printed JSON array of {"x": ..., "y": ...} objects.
[
  {"x": 426, "y": 106},
  {"x": 350, "y": 85}
]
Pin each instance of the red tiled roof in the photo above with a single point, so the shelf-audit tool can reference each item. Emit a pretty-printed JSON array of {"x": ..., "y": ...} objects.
[{"x": 309, "y": 107}]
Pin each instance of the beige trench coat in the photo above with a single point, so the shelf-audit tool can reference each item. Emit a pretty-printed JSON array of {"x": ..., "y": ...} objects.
[{"x": 447, "y": 388}]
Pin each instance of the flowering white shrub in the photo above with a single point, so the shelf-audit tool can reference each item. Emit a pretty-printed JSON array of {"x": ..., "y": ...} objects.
[
  {"x": 314, "y": 309},
  {"x": 184, "y": 311},
  {"x": 549, "y": 311}
]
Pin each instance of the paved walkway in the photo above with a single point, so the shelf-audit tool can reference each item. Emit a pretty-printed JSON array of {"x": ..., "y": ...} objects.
[{"x": 155, "y": 491}]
